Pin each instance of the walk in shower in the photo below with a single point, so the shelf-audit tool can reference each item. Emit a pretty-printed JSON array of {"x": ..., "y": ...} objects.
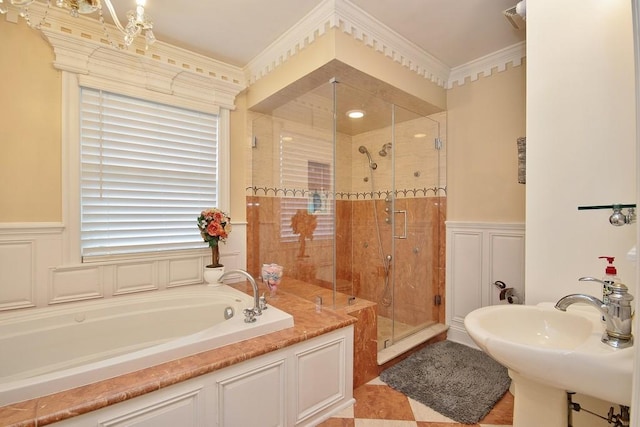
[{"x": 355, "y": 205}]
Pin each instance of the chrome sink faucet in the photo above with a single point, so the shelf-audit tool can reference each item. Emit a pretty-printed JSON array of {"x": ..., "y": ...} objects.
[
  {"x": 616, "y": 313},
  {"x": 249, "y": 313}
]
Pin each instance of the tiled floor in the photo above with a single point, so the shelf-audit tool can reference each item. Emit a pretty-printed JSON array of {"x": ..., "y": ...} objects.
[{"x": 378, "y": 405}]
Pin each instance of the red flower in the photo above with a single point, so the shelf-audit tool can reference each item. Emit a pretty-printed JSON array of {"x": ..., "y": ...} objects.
[{"x": 214, "y": 225}]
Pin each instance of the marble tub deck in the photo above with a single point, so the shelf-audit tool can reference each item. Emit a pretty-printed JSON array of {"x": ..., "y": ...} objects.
[{"x": 55, "y": 407}]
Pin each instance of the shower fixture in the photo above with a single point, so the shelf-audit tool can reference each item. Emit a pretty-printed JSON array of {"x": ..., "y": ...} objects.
[
  {"x": 385, "y": 149},
  {"x": 373, "y": 165}
]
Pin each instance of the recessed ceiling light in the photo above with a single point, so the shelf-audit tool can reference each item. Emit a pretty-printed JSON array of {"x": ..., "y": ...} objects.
[
  {"x": 355, "y": 114},
  {"x": 287, "y": 138},
  {"x": 420, "y": 135}
]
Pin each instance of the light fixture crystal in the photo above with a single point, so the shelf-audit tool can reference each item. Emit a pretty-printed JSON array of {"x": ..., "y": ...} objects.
[
  {"x": 137, "y": 21},
  {"x": 21, "y": 3}
]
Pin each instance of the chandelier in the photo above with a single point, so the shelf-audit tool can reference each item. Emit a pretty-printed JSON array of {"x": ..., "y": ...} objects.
[{"x": 137, "y": 22}]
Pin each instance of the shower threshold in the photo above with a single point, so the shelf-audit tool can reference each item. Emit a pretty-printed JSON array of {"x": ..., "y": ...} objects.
[{"x": 410, "y": 342}]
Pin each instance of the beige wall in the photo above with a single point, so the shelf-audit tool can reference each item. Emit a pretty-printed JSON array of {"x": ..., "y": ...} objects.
[
  {"x": 485, "y": 118},
  {"x": 30, "y": 139},
  {"x": 302, "y": 63},
  {"x": 30, "y": 134},
  {"x": 581, "y": 142},
  {"x": 240, "y": 145},
  {"x": 336, "y": 45},
  {"x": 354, "y": 53}
]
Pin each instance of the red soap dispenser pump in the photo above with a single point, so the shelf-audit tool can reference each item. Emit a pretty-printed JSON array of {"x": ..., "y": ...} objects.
[{"x": 610, "y": 277}]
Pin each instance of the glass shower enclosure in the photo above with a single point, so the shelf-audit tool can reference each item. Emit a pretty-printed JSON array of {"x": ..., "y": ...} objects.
[{"x": 355, "y": 206}]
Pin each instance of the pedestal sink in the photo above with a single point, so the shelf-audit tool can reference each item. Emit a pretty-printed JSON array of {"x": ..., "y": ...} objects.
[{"x": 549, "y": 352}]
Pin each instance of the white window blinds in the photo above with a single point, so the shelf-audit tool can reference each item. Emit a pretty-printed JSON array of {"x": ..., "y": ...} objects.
[{"x": 147, "y": 170}]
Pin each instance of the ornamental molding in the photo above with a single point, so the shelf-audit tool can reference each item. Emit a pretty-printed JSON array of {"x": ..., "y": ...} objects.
[
  {"x": 82, "y": 46},
  {"x": 486, "y": 65},
  {"x": 344, "y": 16},
  {"x": 77, "y": 40}
]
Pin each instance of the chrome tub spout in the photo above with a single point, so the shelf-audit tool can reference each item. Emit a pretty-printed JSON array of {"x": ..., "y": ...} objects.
[{"x": 249, "y": 313}]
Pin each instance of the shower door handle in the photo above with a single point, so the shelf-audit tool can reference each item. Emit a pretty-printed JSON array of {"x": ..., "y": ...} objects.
[{"x": 404, "y": 234}]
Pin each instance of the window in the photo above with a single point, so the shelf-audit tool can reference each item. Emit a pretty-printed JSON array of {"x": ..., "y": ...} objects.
[
  {"x": 306, "y": 178},
  {"x": 147, "y": 170}
]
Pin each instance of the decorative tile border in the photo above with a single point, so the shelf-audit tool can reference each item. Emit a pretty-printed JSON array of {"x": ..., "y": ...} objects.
[{"x": 341, "y": 195}]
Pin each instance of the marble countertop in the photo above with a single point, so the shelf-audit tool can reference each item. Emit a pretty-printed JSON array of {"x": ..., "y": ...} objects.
[{"x": 55, "y": 407}]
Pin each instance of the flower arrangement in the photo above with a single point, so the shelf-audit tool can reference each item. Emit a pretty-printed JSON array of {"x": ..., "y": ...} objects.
[{"x": 215, "y": 226}]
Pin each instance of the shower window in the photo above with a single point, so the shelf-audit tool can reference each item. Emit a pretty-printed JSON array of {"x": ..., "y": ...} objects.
[
  {"x": 319, "y": 180},
  {"x": 305, "y": 180}
]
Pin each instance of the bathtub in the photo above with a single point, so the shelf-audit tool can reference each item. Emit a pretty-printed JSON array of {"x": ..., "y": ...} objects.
[{"x": 43, "y": 351}]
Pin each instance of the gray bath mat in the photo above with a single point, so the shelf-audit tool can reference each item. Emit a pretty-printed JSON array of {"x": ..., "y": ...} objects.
[{"x": 459, "y": 382}]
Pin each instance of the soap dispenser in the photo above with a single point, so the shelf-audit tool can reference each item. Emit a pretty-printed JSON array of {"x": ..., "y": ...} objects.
[{"x": 610, "y": 277}]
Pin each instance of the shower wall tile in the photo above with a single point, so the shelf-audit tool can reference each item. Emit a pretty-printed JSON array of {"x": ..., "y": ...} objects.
[
  {"x": 418, "y": 259},
  {"x": 365, "y": 350},
  {"x": 267, "y": 246},
  {"x": 418, "y": 262},
  {"x": 344, "y": 237}
]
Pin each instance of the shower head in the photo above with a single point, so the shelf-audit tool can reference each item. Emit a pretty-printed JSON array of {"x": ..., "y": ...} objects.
[
  {"x": 385, "y": 149},
  {"x": 373, "y": 165}
]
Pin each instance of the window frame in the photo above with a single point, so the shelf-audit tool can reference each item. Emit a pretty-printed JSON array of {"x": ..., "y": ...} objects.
[{"x": 71, "y": 84}]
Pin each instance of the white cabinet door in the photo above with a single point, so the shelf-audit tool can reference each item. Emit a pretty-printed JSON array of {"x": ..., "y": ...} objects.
[
  {"x": 179, "y": 405},
  {"x": 320, "y": 378},
  {"x": 255, "y": 397}
]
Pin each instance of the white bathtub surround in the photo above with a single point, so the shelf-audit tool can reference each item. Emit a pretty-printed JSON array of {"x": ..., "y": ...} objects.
[
  {"x": 212, "y": 387},
  {"x": 57, "y": 348},
  {"x": 299, "y": 385}
]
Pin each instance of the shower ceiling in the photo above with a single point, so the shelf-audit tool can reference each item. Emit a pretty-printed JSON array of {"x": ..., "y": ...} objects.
[{"x": 374, "y": 96}]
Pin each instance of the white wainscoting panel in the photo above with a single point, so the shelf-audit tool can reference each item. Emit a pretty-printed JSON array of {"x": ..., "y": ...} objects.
[
  {"x": 478, "y": 255},
  {"x": 136, "y": 277},
  {"x": 76, "y": 283},
  {"x": 18, "y": 287},
  {"x": 32, "y": 273},
  {"x": 184, "y": 271},
  {"x": 26, "y": 254}
]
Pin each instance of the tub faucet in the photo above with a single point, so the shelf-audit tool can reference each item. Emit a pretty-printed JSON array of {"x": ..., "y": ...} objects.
[
  {"x": 249, "y": 313},
  {"x": 616, "y": 313}
]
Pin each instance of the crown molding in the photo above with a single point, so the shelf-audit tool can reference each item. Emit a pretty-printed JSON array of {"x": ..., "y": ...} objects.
[
  {"x": 315, "y": 24},
  {"x": 485, "y": 65},
  {"x": 348, "y": 18},
  {"x": 83, "y": 46},
  {"x": 341, "y": 15},
  {"x": 351, "y": 20},
  {"x": 374, "y": 34}
]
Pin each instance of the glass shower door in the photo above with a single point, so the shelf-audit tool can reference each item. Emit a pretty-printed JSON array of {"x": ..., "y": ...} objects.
[{"x": 418, "y": 218}]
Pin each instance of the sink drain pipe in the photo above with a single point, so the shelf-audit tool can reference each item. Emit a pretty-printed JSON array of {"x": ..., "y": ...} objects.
[{"x": 618, "y": 420}]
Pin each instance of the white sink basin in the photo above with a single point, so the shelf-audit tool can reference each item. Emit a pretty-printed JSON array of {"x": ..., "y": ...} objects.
[{"x": 558, "y": 349}]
